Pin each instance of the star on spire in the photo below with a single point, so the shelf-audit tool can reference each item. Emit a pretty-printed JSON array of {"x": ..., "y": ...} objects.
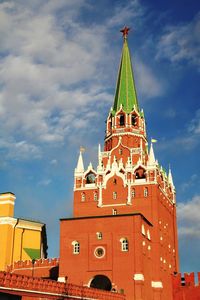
[{"x": 125, "y": 31}]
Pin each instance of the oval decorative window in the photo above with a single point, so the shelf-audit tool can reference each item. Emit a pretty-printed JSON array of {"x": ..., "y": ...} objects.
[{"x": 99, "y": 252}]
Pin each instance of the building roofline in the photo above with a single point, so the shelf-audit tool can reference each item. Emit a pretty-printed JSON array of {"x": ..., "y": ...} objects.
[
  {"x": 4, "y": 193},
  {"x": 109, "y": 216},
  {"x": 31, "y": 220}
]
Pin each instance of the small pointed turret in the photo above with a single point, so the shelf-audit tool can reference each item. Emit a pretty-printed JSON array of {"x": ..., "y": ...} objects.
[
  {"x": 151, "y": 160},
  {"x": 80, "y": 165},
  {"x": 170, "y": 179},
  {"x": 125, "y": 94}
]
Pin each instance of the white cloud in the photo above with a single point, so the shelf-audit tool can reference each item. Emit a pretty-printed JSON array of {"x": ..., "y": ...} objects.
[
  {"x": 124, "y": 13},
  {"x": 194, "y": 126},
  {"x": 44, "y": 182},
  {"x": 181, "y": 43},
  {"x": 21, "y": 150},
  {"x": 53, "y": 162},
  {"x": 149, "y": 85},
  {"x": 42, "y": 56},
  {"x": 186, "y": 140},
  {"x": 190, "y": 183},
  {"x": 189, "y": 218},
  {"x": 53, "y": 65}
]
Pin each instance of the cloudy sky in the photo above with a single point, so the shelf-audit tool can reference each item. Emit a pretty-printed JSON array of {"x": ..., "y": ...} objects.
[{"x": 58, "y": 69}]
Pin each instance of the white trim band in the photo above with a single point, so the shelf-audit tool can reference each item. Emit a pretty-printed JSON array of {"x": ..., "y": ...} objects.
[
  {"x": 8, "y": 221},
  {"x": 6, "y": 196},
  {"x": 7, "y": 202}
]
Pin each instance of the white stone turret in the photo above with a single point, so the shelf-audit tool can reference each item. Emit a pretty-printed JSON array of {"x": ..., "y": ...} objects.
[
  {"x": 80, "y": 166},
  {"x": 151, "y": 160},
  {"x": 170, "y": 179}
]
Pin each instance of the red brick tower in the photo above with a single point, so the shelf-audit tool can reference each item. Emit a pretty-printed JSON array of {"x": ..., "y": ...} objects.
[{"x": 123, "y": 235}]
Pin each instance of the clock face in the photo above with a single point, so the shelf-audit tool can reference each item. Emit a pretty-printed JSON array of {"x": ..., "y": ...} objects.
[{"x": 99, "y": 252}]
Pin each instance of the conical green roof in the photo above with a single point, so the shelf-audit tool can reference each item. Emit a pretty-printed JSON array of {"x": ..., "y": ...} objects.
[{"x": 125, "y": 94}]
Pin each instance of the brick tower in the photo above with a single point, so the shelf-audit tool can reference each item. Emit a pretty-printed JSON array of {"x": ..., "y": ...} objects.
[{"x": 123, "y": 235}]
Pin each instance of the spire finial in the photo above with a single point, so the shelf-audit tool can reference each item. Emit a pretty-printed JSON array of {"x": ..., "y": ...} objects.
[{"x": 125, "y": 31}]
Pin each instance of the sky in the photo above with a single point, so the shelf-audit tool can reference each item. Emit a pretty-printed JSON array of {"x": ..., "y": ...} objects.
[{"x": 58, "y": 68}]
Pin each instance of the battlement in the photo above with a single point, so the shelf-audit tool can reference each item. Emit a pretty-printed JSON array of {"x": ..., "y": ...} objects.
[
  {"x": 27, "y": 286},
  {"x": 27, "y": 264},
  {"x": 187, "y": 279},
  {"x": 184, "y": 286}
]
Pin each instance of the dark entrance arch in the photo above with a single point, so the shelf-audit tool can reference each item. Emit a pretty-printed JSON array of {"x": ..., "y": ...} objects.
[{"x": 101, "y": 282}]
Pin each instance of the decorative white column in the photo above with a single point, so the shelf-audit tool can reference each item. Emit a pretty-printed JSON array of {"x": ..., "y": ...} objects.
[{"x": 100, "y": 195}]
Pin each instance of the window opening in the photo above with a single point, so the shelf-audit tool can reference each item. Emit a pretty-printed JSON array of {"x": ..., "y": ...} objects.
[
  {"x": 99, "y": 235},
  {"x": 90, "y": 178},
  {"x": 143, "y": 229},
  {"x": 121, "y": 120},
  {"x": 145, "y": 192},
  {"x": 99, "y": 252},
  {"x": 95, "y": 196},
  {"x": 124, "y": 244},
  {"x": 133, "y": 120},
  {"x": 114, "y": 195},
  {"x": 120, "y": 151},
  {"x": 114, "y": 211},
  {"x": 76, "y": 247},
  {"x": 115, "y": 181},
  {"x": 140, "y": 173},
  {"x": 83, "y": 197},
  {"x": 133, "y": 193}
]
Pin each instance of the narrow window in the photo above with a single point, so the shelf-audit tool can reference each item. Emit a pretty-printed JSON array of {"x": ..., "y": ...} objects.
[
  {"x": 143, "y": 229},
  {"x": 148, "y": 234},
  {"x": 95, "y": 196},
  {"x": 145, "y": 192},
  {"x": 115, "y": 181},
  {"x": 133, "y": 193},
  {"x": 120, "y": 151},
  {"x": 114, "y": 195},
  {"x": 124, "y": 244},
  {"x": 133, "y": 120},
  {"x": 76, "y": 247},
  {"x": 83, "y": 197},
  {"x": 99, "y": 235},
  {"x": 114, "y": 211},
  {"x": 121, "y": 120}
]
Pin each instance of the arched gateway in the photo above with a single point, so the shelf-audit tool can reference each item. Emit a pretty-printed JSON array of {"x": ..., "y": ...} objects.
[{"x": 101, "y": 282}]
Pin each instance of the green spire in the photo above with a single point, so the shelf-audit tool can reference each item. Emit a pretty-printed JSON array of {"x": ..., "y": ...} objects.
[{"x": 125, "y": 94}]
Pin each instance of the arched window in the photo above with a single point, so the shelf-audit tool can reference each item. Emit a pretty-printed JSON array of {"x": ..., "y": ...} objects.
[
  {"x": 76, "y": 247},
  {"x": 148, "y": 234},
  {"x": 83, "y": 197},
  {"x": 124, "y": 244},
  {"x": 114, "y": 195},
  {"x": 121, "y": 120},
  {"x": 133, "y": 120},
  {"x": 115, "y": 181},
  {"x": 95, "y": 196},
  {"x": 110, "y": 124},
  {"x": 140, "y": 173},
  {"x": 145, "y": 192},
  {"x": 99, "y": 235},
  {"x": 120, "y": 151},
  {"x": 114, "y": 211},
  {"x": 90, "y": 178}
]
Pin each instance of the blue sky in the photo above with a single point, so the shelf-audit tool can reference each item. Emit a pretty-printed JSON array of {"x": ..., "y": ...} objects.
[{"x": 58, "y": 69}]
